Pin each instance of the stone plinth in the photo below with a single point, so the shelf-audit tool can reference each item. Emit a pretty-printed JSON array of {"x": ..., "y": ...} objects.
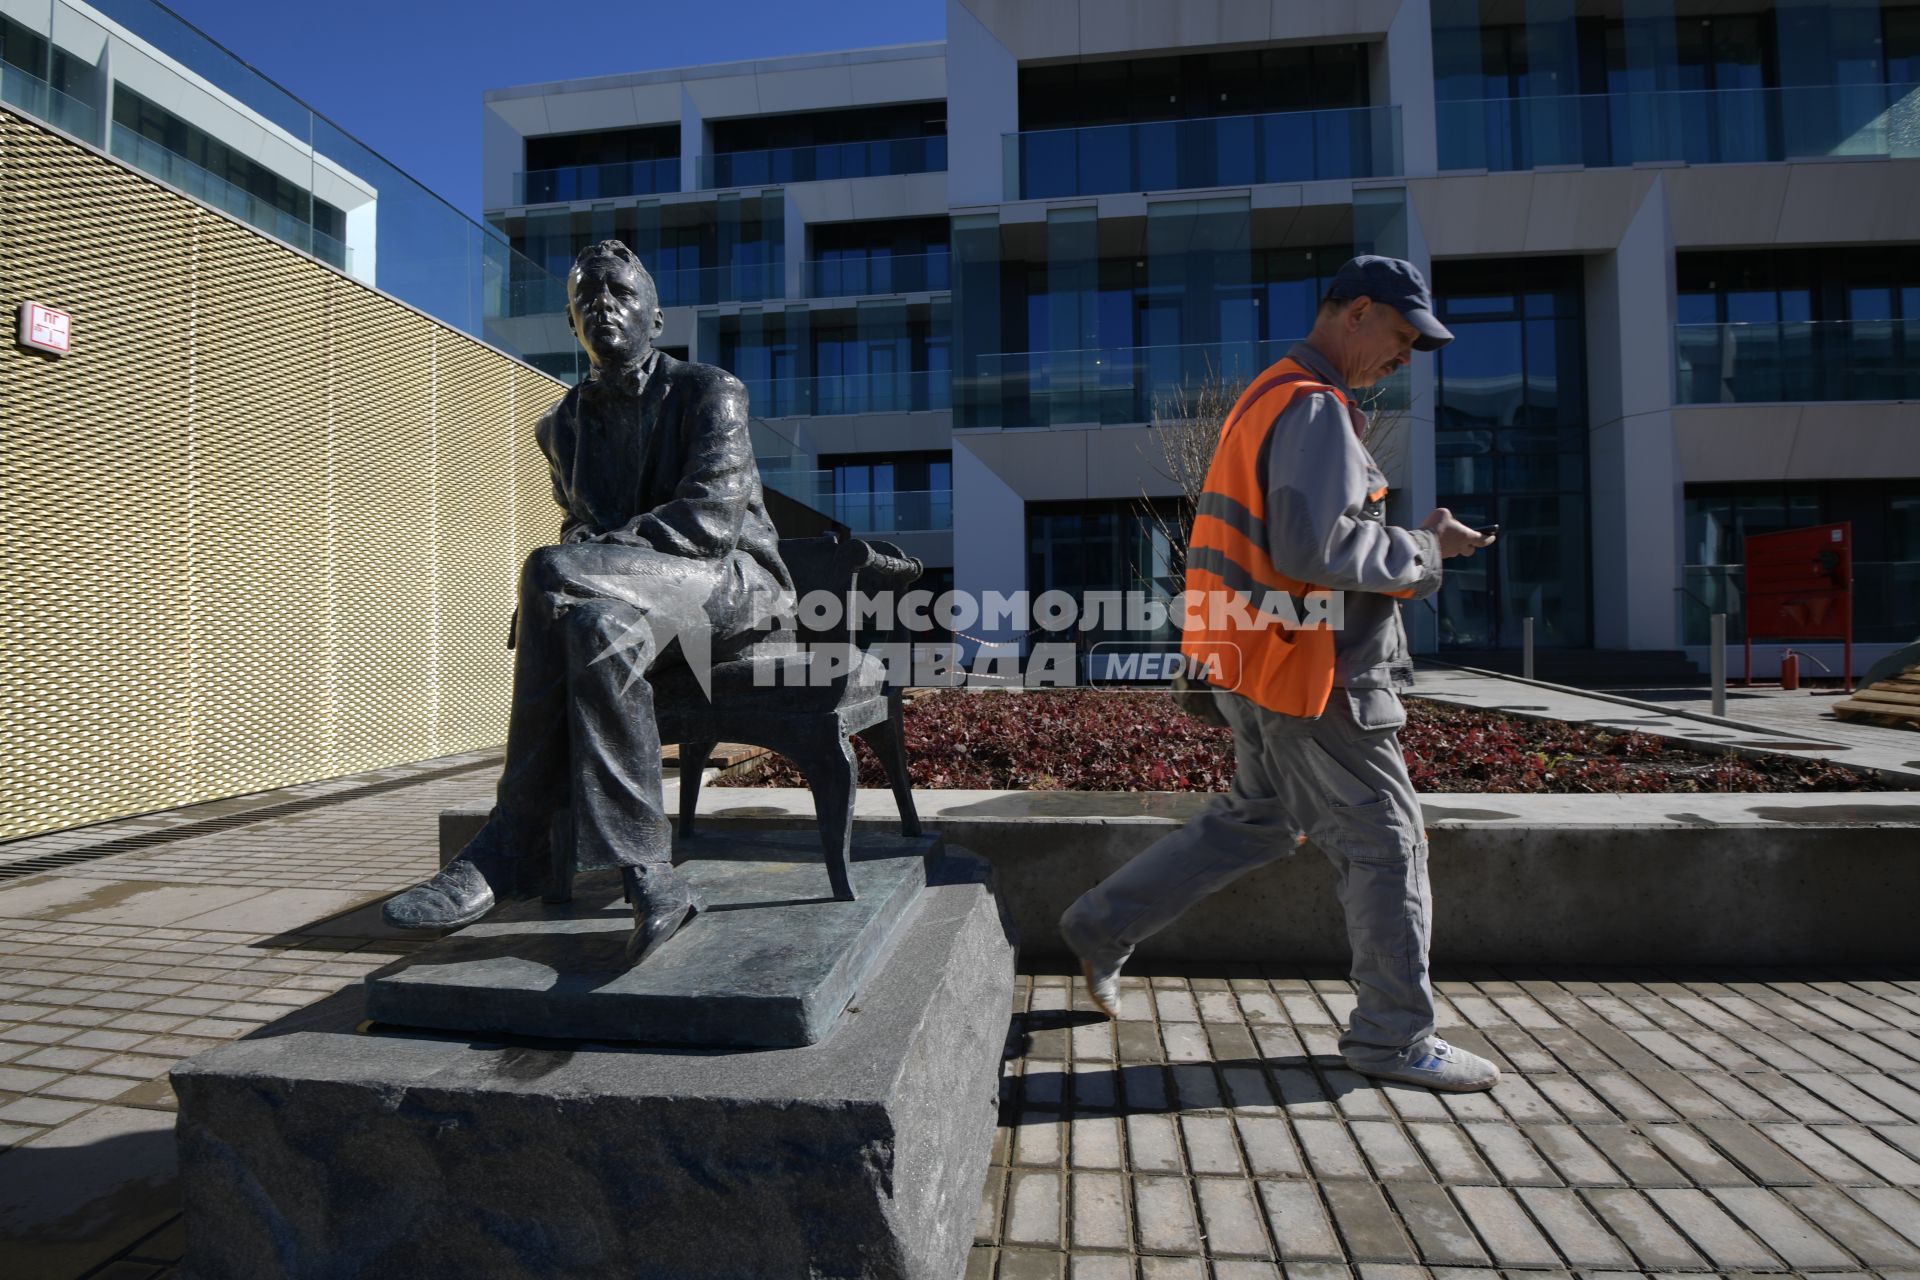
[
  {"x": 324, "y": 1148},
  {"x": 770, "y": 963}
]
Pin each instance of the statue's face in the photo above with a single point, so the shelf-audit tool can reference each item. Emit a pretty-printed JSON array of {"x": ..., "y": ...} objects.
[{"x": 613, "y": 312}]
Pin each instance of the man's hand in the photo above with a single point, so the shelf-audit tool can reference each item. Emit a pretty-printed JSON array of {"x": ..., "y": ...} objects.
[{"x": 1456, "y": 539}]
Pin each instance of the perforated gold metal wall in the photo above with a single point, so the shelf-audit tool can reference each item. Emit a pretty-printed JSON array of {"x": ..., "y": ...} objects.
[{"x": 262, "y": 526}]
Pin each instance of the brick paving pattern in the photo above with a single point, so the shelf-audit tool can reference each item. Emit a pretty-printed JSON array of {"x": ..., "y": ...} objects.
[
  {"x": 1650, "y": 1123},
  {"x": 1647, "y": 1123},
  {"x": 113, "y": 969}
]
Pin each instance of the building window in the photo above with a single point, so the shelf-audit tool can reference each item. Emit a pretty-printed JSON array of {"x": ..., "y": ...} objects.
[
  {"x": 809, "y": 146},
  {"x": 1290, "y": 114},
  {"x": 1798, "y": 80},
  {"x": 1885, "y": 515},
  {"x": 1107, "y": 546},
  {"x": 1810, "y": 324},
  {"x": 601, "y": 165},
  {"x": 730, "y": 250},
  {"x": 1114, "y": 339},
  {"x": 881, "y": 357},
  {"x": 150, "y": 137},
  {"x": 905, "y": 493},
  {"x": 1510, "y": 447},
  {"x": 853, "y": 259},
  {"x": 1193, "y": 86}
]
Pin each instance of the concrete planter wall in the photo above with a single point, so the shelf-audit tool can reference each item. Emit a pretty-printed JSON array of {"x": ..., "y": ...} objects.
[{"x": 1704, "y": 879}]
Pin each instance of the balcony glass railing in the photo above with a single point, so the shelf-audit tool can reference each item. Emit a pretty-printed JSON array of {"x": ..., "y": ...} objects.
[
  {"x": 208, "y": 187},
  {"x": 1707, "y": 126},
  {"x": 597, "y": 181},
  {"x": 404, "y": 239},
  {"x": 780, "y": 165},
  {"x": 1223, "y": 151},
  {"x": 1798, "y": 360},
  {"x": 678, "y": 287},
  {"x": 845, "y": 393},
  {"x": 36, "y": 97},
  {"x": 1126, "y": 385},
  {"x": 786, "y": 467},
  {"x": 859, "y": 274},
  {"x": 700, "y": 286},
  {"x": 1886, "y": 601},
  {"x": 902, "y": 511},
  {"x": 906, "y": 511}
]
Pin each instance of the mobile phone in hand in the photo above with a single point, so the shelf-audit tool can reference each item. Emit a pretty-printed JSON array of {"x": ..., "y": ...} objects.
[{"x": 1490, "y": 530}]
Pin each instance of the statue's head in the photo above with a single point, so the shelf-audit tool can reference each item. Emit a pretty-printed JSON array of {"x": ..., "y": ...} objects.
[{"x": 612, "y": 305}]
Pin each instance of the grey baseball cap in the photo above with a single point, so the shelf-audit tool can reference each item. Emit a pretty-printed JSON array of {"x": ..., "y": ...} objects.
[{"x": 1398, "y": 283}]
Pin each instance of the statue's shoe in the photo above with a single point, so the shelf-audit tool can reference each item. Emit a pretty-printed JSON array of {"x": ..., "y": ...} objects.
[
  {"x": 662, "y": 903},
  {"x": 458, "y": 896}
]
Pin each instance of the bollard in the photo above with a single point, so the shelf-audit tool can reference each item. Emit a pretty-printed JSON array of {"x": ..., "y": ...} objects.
[
  {"x": 1717, "y": 664},
  {"x": 1526, "y": 647}
]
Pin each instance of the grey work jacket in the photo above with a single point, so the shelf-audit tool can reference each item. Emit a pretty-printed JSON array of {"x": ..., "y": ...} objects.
[{"x": 1322, "y": 529}]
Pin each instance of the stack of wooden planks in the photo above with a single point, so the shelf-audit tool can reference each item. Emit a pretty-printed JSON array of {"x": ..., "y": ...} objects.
[{"x": 1894, "y": 702}]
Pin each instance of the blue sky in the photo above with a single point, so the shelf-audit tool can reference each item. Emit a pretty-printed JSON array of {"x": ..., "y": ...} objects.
[{"x": 405, "y": 76}]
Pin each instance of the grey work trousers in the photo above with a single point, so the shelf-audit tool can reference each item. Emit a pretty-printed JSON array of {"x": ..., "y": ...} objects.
[{"x": 1339, "y": 781}]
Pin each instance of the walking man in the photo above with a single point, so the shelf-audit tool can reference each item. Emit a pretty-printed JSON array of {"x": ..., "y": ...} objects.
[{"x": 1294, "y": 504}]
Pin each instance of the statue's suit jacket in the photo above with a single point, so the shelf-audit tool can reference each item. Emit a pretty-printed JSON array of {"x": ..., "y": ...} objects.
[{"x": 660, "y": 456}]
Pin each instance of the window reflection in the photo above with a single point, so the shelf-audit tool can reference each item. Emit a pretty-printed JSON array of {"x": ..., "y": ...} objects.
[
  {"x": 1647, "y": 86},
  {"x": 1885, "y": 515},
  {"x": 1815, "y": 324},
  {"x": 1105, "y": 546},
  {"x": 1511, "y": 449}
]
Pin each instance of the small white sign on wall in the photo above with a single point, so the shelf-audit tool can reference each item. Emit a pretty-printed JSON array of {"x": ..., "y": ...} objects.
[{"x": 45, "y": 329}]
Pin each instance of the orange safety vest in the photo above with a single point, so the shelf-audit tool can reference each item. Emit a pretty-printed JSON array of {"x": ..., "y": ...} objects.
[{"x": 1282, "y": 668}]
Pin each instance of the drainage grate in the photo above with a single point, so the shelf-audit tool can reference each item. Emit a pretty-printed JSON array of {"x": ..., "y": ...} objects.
[{"x": 224, "y": 822}]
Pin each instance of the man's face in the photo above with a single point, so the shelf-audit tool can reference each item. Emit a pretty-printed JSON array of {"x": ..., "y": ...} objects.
[
  {"x": 614, "y": 314},
  {"x": 1382, "y": 340}
]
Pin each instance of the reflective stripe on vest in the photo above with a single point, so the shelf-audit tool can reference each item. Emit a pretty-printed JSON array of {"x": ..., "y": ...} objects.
[{"x": 1233, "y": 643}]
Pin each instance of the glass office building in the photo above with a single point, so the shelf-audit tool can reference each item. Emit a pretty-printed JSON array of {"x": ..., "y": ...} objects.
[{"x": 977, "y": 279}]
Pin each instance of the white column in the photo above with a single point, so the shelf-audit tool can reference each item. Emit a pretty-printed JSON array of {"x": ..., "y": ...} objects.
[
  {"x": 795, "y": 285},
  {"x": 983, "y": 105},
  {"x": 503, "y": 153},
  {"x": 1406, "y": 59},
  {"x": 1638, "y": 508},
  {"x": 989, "y": 534},
  {"x": 693, "y": 141},
  {"x": 1418, "y": 484}
]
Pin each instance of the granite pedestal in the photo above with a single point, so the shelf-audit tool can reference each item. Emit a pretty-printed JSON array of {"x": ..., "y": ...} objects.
[
  {"x": 770, "y": 962},
  {"x": 328, "y": 1146}
]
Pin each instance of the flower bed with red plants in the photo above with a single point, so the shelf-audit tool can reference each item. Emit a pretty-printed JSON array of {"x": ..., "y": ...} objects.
[{"x": 1105, "y": 740}]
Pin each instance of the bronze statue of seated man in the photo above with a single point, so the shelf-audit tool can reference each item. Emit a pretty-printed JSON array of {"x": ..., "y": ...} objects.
[{"x": 666, "y": 555}]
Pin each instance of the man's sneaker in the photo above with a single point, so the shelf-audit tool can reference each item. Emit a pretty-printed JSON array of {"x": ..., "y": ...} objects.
[
  {"x": 1103, "y": 987},
  {"x": 1103, "y": 980},
  {"x": 1438, "y": 1065}
]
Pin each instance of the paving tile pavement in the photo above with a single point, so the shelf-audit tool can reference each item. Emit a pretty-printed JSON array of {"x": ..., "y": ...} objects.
[
  {"x": 1650, "y": 1123},
  {"x": 196, "y": 927},
  {"x": 1701, "y": 1122}
]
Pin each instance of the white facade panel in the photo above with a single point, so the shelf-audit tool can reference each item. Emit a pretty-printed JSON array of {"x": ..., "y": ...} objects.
[
  {"x": 1832, "y": 440},
  {"x": 819, "y": 89},
  {"x": 918, "y": 80},
  {"x": 592, "y": 109}
]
